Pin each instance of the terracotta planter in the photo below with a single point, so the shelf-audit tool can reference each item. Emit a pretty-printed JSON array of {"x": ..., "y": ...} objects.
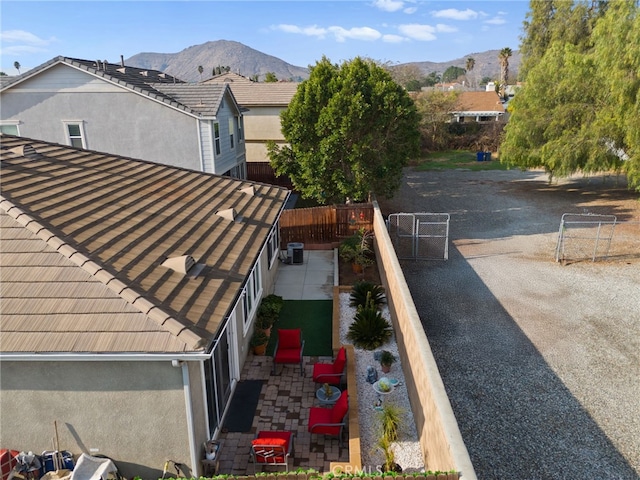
[
  {"x": 260, "y": 349},
  {"x": 357, "y": 268},
  {"x": 385, "y": 368}
]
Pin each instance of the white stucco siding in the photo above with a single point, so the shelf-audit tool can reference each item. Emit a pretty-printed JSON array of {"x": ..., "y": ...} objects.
[
  {"x": 263, "y": 124},
  {"x": 133, "y": 412}
]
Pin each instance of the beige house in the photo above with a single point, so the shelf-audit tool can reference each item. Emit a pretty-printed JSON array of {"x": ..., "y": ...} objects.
[
  {"x": 129, "y": 290},
  {"x": 262, "y": 104},
  {"x": 478, "y": 107}
]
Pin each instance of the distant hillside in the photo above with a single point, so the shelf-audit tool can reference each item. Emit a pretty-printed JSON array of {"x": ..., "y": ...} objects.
[
  {"x": 240, "y": 58},
  {"x": 248, "y": 62},
  {"x": 486, "y": 65}
]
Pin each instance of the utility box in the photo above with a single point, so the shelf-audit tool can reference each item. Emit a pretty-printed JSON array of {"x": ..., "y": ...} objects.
[{"x": 295, "y": 253}]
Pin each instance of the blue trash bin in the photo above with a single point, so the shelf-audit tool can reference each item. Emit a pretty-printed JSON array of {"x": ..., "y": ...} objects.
[{"x": 480, "y": 156}]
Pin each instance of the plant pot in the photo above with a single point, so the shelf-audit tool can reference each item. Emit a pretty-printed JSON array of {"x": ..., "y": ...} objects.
[
  {"x": 260, "y": 349},
  {"x": 385, "y": 368},
  {"x": 357, "y": 268}
]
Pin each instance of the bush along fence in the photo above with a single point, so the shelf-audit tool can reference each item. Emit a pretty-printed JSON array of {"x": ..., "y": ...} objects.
[
  {"x": 365, "y": 474},
  {"x": 327, "y": 225}
]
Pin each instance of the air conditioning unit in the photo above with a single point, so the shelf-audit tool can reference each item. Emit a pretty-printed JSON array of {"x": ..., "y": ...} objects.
[{"x": 295, "y": 253}]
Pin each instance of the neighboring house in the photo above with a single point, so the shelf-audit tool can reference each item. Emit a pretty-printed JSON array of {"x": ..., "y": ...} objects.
[
  {"x": 479, "y": 107},
  {"x": 127, "y": 111},
  {"x": 262, "y": 103},
  {"x": 129, "y": 290}
]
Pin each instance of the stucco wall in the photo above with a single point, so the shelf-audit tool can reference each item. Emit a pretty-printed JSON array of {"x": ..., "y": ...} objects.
[
  {"x": 133, "y": 412},
  {"x": 440, "y": 438}
]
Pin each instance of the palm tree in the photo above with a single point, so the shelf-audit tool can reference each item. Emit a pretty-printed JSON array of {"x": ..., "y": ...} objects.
[
  {"x": 17, "y": 65},
  {"x": 200, "y": 70},
  {"x": 471, "y": 62},
  {"x": 503, "y": 56}
]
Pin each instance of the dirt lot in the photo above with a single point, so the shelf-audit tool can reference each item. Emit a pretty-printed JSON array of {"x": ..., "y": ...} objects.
[{"x": 541, "y": 360}]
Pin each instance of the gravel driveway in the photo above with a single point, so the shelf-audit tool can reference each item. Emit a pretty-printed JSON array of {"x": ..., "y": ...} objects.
[{"x": 541, "y": 361}]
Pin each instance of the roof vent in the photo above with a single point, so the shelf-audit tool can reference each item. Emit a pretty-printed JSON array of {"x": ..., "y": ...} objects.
[
  {"x": 229, "y": 214},
  {"x": 250, "y": 190},
  {"x": 144, "y": 73},
  {"x": 162, "y": 75},
  {"x": 180, "y": 264},
  {"x": 122, "y": 70}
]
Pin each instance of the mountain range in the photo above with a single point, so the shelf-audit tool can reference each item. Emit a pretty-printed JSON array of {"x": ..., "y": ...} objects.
[{"x": 249, "y": 62}]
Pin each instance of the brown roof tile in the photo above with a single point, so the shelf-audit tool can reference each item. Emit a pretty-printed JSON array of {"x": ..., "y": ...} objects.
[{"x": 104, "y": 226}]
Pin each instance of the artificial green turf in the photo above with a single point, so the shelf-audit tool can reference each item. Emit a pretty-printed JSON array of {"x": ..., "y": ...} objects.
[{"x": 314, "y": 317}]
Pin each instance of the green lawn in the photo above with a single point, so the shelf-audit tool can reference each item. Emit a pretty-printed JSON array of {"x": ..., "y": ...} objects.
[{"x": 456, "y": 159}]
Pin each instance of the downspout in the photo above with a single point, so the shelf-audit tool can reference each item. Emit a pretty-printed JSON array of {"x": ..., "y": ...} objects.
[{"x": 195, "y": 462}]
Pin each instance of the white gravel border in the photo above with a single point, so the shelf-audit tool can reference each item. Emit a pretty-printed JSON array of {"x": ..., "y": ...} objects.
[{"x": 408, "y": 453}]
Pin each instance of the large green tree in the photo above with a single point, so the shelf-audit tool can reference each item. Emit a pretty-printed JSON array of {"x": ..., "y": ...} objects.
[
  {"x": 350, "y": 130},
  {"x": 579, "y": 109}
]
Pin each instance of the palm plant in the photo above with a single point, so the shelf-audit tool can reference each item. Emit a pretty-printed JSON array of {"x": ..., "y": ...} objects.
[
  {"x": 17, "y": 65},
  {"x": 365, "y": 291},
  {"x": 503, "y": 56},
  {"x": 470, "y": 64},
  {"x": 369, "y": 329}
]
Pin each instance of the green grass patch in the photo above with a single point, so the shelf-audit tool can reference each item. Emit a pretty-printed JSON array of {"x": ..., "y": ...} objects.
[{"x": 456, "y": 159}]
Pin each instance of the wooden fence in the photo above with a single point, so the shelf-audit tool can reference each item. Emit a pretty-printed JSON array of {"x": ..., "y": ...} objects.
[
  {"x": 324, "y": 225},
  {"x": 263, "y": 173}
]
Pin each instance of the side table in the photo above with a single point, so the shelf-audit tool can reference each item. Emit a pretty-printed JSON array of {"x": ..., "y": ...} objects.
[{"x": 333, "y": 398}]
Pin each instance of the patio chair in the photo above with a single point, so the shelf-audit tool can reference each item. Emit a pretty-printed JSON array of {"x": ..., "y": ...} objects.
[
  {"x": 330, "y": 421},
  {"x": 272, "y": 448},
  {"x": 289, "y": 348},
  {"x": 331, "y": 373}
]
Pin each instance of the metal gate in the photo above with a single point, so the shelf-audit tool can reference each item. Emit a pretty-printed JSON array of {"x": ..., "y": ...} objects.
[
  {"x": 423, "y": 236},
  {"x": 584, "y": 236}
]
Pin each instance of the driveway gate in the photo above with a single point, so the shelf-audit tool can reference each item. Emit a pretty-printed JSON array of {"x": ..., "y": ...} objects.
[
  {"x": 584, "y": 236},
  {"x": 420, "y": 236}
]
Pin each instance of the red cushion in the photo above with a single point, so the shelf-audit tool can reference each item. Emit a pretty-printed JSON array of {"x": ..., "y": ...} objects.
[
  {"x": 341, "y": 359},
  {"x": 287, "y": 356},
  {"x": 7, "y": 461},
  {"x": 340, "y": 409},
  {"x": 321, "y": 415},
  {"x": 289, "y": 338},
  {"x": 320, "y": 369},
  {"x": 271, "y": 447}
]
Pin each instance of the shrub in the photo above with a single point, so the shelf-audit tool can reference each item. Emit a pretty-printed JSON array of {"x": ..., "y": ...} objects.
[
  {"x": 369, "y": 329},
  {"x": 364, "y": 291}
]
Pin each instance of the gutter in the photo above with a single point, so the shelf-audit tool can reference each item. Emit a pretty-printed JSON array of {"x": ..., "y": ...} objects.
[{"x": 103, "y": 357}]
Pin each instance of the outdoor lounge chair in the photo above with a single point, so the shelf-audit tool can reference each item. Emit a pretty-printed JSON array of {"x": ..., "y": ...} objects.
[
  {"x": 330, "y": 421},
  {"x": 289, "y": 348},
  {"x": 331, "y": 373},
  {"x": 272, "y": 448}
]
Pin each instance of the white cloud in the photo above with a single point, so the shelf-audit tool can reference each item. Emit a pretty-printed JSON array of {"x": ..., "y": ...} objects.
[
  {"x": 442, "y": 28},
  {"x": 418, "y": 32},
  {"x": 410, "y": 10},
  {"x": 20, "y": 36},
  {"x": 388, "y": 5},
  {"x": 389, "y": 38},
  {"x": 496, "y": 21},
  {"x": 357, "y": 33},
  {"x": 310, "y": 31},
  {"x": 455, "y": 14}
]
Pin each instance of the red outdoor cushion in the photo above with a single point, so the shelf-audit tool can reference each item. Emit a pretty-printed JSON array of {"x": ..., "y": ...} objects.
[
  {"x": 7, "y": 461},
  {"x": 289, "y": 338},
  {"x": 287, "y": 356},
  {"x": 271, "y": 447},
  {"x": 341, "y": 360},
  {"x": 320, "y": 369},
  {"x": 322, "y": 415},
  {"x": 340, "y": 409}
]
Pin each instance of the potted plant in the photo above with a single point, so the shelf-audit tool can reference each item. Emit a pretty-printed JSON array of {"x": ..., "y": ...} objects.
[
  {"x": 264, "y": 323},
  {"x": 259, "y": 342},
  {"x": 386, "y": 360},
  {"x": 357, "y": 250},
  {"x": 390, "y": 418}
]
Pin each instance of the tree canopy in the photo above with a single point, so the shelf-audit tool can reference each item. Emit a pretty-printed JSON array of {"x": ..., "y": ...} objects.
[
  {"x": 579, "y": 109},
  {"x": 350, "y": 130}
]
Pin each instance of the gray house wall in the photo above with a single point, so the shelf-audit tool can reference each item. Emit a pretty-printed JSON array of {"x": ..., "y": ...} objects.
[
  {"x": 115, "y": 120},
  {"x": 133, "y": 412}
]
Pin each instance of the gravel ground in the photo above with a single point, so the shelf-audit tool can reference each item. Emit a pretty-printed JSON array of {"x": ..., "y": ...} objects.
[
  {"x": 541, "y": 361},
  {"x": 407, "y": 449}
]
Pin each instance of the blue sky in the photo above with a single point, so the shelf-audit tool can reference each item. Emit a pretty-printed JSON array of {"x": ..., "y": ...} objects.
[{"x": 296, "y": 31}]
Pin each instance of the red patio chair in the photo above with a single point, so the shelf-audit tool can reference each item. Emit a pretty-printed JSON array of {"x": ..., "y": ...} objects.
[
  {"x": 330, "y": 421},
  {"x": 272, "y": 448},
  {"x": 289, "y": 348},
  {"x": 331, "y": 373}
]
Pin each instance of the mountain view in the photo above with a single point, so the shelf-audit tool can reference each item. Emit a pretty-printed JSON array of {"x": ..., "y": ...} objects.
[{"x": 249, "y": 62}]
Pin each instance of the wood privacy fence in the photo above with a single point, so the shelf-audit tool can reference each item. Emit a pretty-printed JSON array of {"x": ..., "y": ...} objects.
[
  {"x": 324, "y": 225},
  {"x": 263, "y": 173}
]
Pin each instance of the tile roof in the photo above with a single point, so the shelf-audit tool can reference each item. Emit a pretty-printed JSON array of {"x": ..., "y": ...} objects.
[
  {"x": 84, "y": 235},
  {"x": 252, "y": 94},
  {"x": 195, "y": 99},
  {"x": 479, "y": 102}
]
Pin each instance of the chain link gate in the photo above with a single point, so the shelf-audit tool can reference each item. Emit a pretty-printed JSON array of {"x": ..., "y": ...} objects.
[
  {"x": 420, "y": 236},
  {"x": 584, "y": 236}
]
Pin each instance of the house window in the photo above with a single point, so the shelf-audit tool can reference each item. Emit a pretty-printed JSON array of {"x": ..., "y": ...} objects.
[
  {"x": 239, "y": 121},
  {"x": 75, "y": 134},
  {"x": 251, "y": 295},
  {"x": 216, "y": 136},
  {"x": 273, "y": 245},
  {"x": 9, "y": 128},
  {"x": 231, "y": 132}
]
